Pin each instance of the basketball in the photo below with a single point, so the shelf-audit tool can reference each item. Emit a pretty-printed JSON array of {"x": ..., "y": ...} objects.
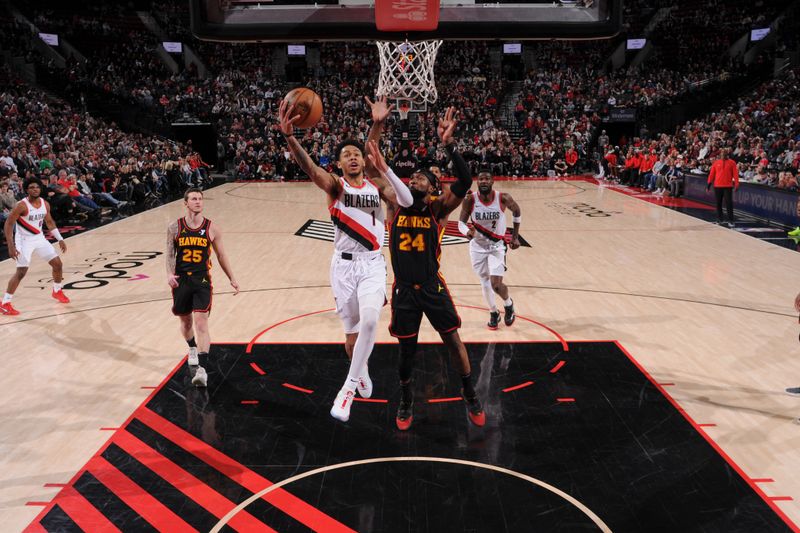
[{"x": 307, "y": 104}]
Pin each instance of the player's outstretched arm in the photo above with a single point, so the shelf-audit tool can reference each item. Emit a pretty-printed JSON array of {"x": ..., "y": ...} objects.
[
  {"x": 216, "y": 240},
  {"x": 396, "y": 193},
  {"x": 507, "y": 201},
  {"x": 466, "y": 210},
  {"x": 380, "y": 111},
  {"x": 452, "y": 198},
  {"x": 321, "y": 177},
  {"x": 171, "y": 255},
  {"x": 18, "y": 211},
  {"x": 53, "y": 227}
]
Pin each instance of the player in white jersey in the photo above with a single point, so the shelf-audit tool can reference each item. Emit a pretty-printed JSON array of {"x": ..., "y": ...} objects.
[
  {"x": 24, "y": 235},
  {"x": 358, "y": 268},
  {"x": 485, "y": 208}
]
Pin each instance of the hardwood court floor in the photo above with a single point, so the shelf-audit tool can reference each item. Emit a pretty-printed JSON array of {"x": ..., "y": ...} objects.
[{"x": 705, "y": 310}]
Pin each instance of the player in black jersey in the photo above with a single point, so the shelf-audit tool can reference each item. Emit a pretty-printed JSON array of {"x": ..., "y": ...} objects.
[
  {"x": 190, "y": 240},
  {"x": 415, "y": 240}
]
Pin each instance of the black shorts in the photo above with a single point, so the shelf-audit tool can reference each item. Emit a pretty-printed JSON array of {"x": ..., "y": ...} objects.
[
  {"x": 193, "y": 294},
  {"x": 409, "y": 302}
]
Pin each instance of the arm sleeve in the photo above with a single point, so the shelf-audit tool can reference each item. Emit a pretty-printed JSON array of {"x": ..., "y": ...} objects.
[
  {"x": 463, "y": 175},
  {"x": 404, "y": 198}
]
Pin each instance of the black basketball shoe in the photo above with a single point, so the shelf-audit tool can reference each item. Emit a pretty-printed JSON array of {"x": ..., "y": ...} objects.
[
  {"x": 494, "y": 320},
  {"x": 510, "y": 316}
]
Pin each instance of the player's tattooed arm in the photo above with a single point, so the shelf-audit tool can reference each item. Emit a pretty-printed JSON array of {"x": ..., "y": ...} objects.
[
  {"x": 321, "y": 177},
  {"x": 507, "y": 201},
  {"x": 171, "y": 255}
]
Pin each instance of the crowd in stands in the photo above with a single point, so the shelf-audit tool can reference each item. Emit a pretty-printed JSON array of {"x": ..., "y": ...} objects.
[
  {"x": 761, "y": 132},
  {"x": 558, "y": 111},
  {"x": 91, "y": 169}
]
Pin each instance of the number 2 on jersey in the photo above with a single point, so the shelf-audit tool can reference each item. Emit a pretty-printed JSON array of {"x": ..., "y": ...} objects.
[{"x": 406, "y": 242}]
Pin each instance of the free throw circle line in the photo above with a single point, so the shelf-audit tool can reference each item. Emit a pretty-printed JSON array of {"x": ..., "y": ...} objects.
[{"x": 585, "y": 510}]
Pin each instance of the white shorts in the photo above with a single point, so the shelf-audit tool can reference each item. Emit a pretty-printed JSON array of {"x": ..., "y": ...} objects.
[
  {"x": 488, "y": 261},
  {"x": 27, "y": 246},
  {"x": 352, "y": 279}
]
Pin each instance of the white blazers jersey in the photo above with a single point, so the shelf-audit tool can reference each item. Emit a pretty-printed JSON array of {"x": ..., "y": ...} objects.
[
  {"x": 358, "y": 218},
  {"x": 30, "y": 225},
  {"x": 489, "y": 220}
]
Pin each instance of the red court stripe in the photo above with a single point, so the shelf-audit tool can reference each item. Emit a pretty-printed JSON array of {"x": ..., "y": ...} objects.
[
  {"x": 370, "y": 400},
  {"x": 83, "y": 513},
  {"x": 517, "y": 387},
  {"x": 440, "y": 400},
  {"x": 295, "y": 387},
  {"x": 148, "y": 387},
  {"x": 762, "y": 480},
  {"x": 710, "y": 441},
  {"x": 38, "y": 504},
  {"x": 34, "y": 527},
  {"x": 557, "y": 367},
  {"x": 56, "y": 485},
  {"x": 257, "y": 368},
  {"x": 707, "y": 425},
  {"x": 275, "y": 325},
  {"x": 301, "y": 511},
  {"x": 142, "y": 502},
  {"x": 193, "y": 488},
  {"x": 781, "y": 498},
  {"x": 565, "y": 399},
  {"x": 249, "y": 402}
]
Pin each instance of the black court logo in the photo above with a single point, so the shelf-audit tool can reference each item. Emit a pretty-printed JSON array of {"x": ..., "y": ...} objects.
[
  {"x": 107, "y": 266},
  {"x": 576, "y": 209},
  {"x": 323, "y": 230}
]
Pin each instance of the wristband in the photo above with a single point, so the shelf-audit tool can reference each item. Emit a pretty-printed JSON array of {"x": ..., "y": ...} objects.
[
  {"x": 517, "y": 220},
  {"x": 463, "y": 228},
  {"x": 57, "y": 234}
]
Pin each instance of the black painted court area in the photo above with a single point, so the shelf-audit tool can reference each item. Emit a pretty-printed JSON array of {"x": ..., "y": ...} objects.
[{"x": 591, "y": 424}]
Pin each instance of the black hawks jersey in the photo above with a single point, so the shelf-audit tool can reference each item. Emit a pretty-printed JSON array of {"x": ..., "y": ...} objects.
[
  {"x": 194, "y": 248},
  {"x": 415, "y": 242}
]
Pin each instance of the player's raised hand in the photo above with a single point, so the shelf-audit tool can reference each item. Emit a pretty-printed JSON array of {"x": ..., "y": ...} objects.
[
  {"x": 379, "y": 109},
  {"x": 376, "y": 157},
  {"x": 172, "y": 281},
  {"x": 286, "y": 119},
  {"x": 447, "y": 125}
]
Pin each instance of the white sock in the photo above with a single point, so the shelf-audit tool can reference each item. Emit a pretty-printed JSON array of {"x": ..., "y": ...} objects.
[
  {"x": 508, "y": 302},
  {"x": 7, "y": 298},
  {"x": 56, "y": 287},
  {"x": 488, "y": 294},
  {"x": 369, "y": 311}
]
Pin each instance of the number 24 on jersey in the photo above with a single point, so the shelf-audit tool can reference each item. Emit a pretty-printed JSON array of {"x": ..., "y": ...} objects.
[{"x": 407, "y": 243}]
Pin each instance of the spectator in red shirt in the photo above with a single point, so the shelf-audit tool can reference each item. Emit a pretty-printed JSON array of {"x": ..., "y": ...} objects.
[
  {"x": 724, "y": 176},
  {"x": 572, "y": 159}
]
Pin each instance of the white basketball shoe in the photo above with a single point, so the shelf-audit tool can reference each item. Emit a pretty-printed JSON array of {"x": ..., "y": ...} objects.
[
  {"x": 200, "y": 378},
  {"x": 192, "y": 359},
  {"x": 342, "y": 404}
]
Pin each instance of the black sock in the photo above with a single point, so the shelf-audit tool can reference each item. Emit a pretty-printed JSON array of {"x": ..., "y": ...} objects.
[
  {"x": 407, "y": 395},
  {"x": 202, "y": 358},
  {"x": 466, "y": 383},
  {"x": 191, "y": 343}
]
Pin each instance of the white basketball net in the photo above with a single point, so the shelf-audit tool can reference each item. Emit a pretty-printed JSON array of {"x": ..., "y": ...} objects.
[{"x": 407, "y": 70}]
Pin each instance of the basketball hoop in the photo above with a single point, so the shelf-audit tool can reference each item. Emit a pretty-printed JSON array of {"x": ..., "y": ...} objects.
[{"x": 407, "y": 70}]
